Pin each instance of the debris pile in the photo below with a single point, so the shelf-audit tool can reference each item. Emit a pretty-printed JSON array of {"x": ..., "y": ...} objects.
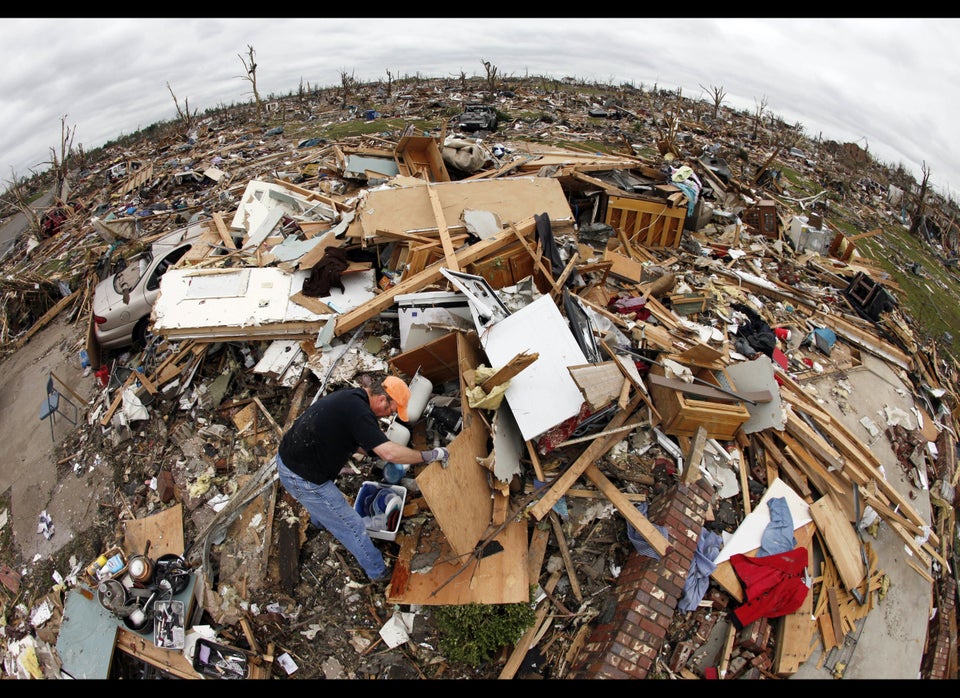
[{"x": 592, "y": 329}]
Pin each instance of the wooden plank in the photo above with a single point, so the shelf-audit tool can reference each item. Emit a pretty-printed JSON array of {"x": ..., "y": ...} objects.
[
  {"x": 695, "y": 457},
  {"x": 448, "y": 253},
  {"x": 841, "y": 540},
  {"x": 509, "y": 370},
  {"x": 795, "y": 632},
  {"x": 565, "y": 554},
  {"x": 833, "y": 605},
  {"x": 813, "y": 441},
  {"x": 640, "y": 522},
  {"x": 164, "y": 530},
  {"x": 79, "y": 398},
  {"x": 494, "y": 579},
  {"x": 773, "y": 454},
  {"x": 526, "y": 641},
  {"x": 170, "y": 661},
  {"x": 537, "y": 551},
  {"x": 595, "y": 450},
  {"x": 744, "y": 484}
]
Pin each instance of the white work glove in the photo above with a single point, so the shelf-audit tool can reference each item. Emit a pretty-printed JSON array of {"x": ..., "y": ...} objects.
[{"x": 440, "y": 454}]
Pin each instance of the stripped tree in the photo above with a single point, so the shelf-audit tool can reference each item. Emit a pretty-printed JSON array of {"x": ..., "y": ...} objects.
[
  {"x": 183, "y": 114},
  {"x": 250, "y": 66},
  {"x": 717, "y": 94}
]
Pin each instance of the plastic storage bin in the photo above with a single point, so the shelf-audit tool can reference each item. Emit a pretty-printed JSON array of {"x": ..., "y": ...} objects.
[{"x": 373, "y": 496}]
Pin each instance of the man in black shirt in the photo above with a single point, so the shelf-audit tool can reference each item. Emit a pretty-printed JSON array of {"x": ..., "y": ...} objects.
[{"x": 321, "y": 441}]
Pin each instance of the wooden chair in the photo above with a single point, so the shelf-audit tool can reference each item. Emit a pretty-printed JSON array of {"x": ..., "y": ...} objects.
[{"x": 54, "y": 403}]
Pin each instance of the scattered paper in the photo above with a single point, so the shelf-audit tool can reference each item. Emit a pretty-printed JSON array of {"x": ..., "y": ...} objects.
[
  {"x": 286, "y": 661},
  {"x": 397, "y": 629}
]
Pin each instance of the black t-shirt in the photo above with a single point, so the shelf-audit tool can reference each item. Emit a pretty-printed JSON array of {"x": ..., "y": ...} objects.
[{"x": 321, "y": 440}]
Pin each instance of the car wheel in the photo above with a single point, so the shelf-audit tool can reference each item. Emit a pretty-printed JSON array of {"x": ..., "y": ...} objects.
[{"x": 141, "y": 333}]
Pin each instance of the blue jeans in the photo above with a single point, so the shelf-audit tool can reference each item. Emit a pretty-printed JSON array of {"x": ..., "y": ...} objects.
[{"x": 329, "y": 509}]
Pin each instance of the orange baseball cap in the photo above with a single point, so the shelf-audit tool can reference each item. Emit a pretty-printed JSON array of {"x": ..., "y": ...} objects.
[{"x": 400, "y": 394}]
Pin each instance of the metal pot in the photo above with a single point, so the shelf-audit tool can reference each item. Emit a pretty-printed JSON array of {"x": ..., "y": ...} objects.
[{"x": 140, "y": 567}]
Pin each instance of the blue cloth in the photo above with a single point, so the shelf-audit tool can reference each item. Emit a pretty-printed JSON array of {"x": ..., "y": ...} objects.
[
  {"x": 691, "y": 194},
  {"x": 639, "y": 542},
  {"x": 702, "y": 566},
  {"x": 560, "y": 507},
  {"x": 329, "y": 509},
  {"x": 778, "y": 535}
]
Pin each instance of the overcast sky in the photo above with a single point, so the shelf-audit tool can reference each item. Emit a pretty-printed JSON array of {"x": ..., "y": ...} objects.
[{"x": 889, "y": 85}]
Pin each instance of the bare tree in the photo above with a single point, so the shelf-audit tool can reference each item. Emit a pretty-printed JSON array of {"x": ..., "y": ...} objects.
[
  {"x": 250, "y": 68},
  {"x": 184, "y": 115},
  {"x": 59, "y": 164},
  {"x": 463, "y": 80},
  {"x": 717, "y": 94},
  {"x": 389, "y": 84},
  {"x": 347, "y": 82},
  {"x": 758, "y": 116},
  {"x": 491, "y": 78},
  {"x": 919, "y": 203}
]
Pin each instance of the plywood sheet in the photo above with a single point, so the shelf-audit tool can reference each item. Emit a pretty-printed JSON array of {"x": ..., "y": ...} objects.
[
  {"x": 164, "y": 530},
  {"x": 409, "y": 209},
  {"x": 496, "y": 579},
  {"x": 458, "y": 495},
  {"x": 795, "y": 632}
]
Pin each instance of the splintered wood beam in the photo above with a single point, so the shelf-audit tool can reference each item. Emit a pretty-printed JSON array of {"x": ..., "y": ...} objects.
[
  {"x": 537, "y": 259},
  {"x": 595, "y": 450},
  {"x": 647, "y": 530},
  {"x": 565, "y": 554},
  {"x": 695, "y": 456},
  {"x": 535, "y": 461},
  {"x": 512, "y": 368},
  {"x": 526, "y": 641},
  {"x": 223, "y": 231},
  {"x": 448, "y": 252}
]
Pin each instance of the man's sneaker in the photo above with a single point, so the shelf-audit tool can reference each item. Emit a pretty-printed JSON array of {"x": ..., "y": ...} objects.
[{"x": 383, "y": 578}]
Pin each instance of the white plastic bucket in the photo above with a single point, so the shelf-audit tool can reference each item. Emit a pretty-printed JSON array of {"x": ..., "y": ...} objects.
[
  {"x": 398, "y": 433},
  {"x": 420, "y": 391}
]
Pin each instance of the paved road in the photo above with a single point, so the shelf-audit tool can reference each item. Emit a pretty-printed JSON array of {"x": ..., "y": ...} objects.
[{"x": 18, "y": 224}]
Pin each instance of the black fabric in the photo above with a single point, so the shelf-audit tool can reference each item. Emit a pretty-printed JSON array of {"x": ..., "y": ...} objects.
[
  {"x": 322, "y": 439},
  {"x": 325, "y": 274},
  {"x": 755, "y": 332},
  {"x": 550, "y": 249}
]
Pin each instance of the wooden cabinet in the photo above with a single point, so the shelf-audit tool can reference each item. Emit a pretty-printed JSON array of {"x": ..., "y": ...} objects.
[{"x": 682, "y": 413}]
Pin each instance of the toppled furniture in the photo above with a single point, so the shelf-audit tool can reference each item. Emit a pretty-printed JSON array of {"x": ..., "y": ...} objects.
[{"x": 686, "y": 406}]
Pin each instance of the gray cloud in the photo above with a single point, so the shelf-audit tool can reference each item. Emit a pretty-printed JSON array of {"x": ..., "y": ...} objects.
[{"x": 886, "y": 83}]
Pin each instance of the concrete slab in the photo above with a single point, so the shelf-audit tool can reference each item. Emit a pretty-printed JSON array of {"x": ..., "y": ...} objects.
[{"x": 894, "y": 633}]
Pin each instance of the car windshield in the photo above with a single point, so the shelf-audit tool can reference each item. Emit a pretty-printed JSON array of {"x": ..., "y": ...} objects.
[{"x": 126, "y": 280}]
